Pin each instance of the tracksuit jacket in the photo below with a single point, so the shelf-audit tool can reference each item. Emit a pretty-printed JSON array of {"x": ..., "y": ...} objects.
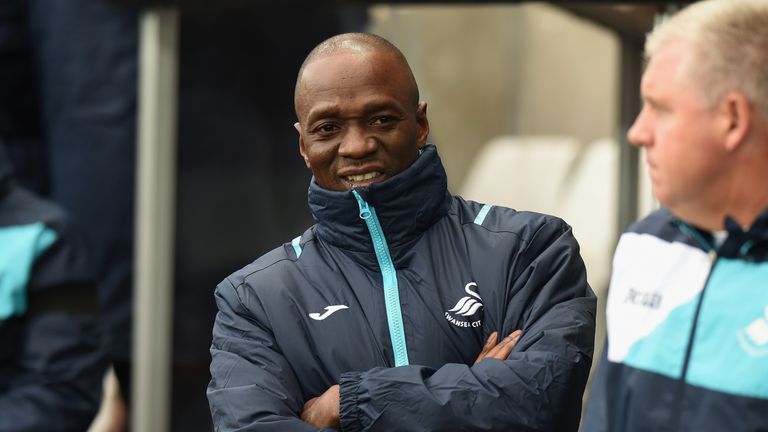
[
  {"x": 51, "y": 356},
  {"x": 392, "y": 294},
  {"x": 687, "y": 325}
]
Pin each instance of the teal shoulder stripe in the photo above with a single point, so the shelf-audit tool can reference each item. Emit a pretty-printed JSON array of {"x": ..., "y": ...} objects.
[
  {"x": 483, "y": 213},
  {"x": 296, "y": 246},
  {"x": 22, "y": 244},
  {"x": 730, "y": 352}
]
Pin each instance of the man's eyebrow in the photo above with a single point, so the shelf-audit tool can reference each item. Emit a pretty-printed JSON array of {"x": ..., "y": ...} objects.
[
  {"x": 323, "y": 112},
  {"x": 652, "y": 100},
  {"x": 381, "y": 105},
  {"x": 334, "y": 111}
]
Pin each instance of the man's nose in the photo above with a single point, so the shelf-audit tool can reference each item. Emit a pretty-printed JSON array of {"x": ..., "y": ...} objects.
[
  {"x": 639, "y": 134},
  {"x": 357, "y": 144}
]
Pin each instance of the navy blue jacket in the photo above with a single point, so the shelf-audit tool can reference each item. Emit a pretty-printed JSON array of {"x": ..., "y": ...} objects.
[
  {"x": 51, "y": 356},
  {"x": 399, "y": 320},
  {"x": 687, "y": 326}
]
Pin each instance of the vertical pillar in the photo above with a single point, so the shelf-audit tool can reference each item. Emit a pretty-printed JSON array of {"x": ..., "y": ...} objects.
[
  {"x": 630, "y": 71},
  {"x": 155, "y": 220}
]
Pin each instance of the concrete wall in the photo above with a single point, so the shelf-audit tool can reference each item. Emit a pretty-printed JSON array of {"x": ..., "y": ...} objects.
[{"x": 505, "y": 69}]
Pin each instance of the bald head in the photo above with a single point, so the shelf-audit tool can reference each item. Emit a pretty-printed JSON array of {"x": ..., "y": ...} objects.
[{"x": 363, "y": 45}]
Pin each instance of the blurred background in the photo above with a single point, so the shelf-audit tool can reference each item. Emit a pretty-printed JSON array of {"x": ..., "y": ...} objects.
[{"x": 528, "y": 105}]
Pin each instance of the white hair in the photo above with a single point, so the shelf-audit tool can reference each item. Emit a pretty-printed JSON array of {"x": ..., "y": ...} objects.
[{"x": 730, "y": 47}]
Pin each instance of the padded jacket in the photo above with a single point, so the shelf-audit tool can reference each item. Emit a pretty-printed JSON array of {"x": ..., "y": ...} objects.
[
  {"x": 392, "y": 294},
  {"x": 687, "y": 325}
]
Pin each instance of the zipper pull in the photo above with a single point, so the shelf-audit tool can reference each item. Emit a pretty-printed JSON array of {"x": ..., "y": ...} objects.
[
  {"x": 365, "y": 212},
  {"x": 745, "y": 248}
]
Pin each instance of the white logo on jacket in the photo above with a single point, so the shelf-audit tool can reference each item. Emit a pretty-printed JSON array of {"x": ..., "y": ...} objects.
[
  {"x": 466, "y": 307},
  {"x": 754, "y": 337},
  {"x": 328, "y": 311}
]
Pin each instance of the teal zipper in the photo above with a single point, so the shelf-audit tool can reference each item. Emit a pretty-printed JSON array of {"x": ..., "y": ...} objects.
[{"x": 389, "y": 279}]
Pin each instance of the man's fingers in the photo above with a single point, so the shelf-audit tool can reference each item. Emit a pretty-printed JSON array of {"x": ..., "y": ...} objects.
[
  {"x": 509, "y": 344},
  {"x": 490, "y": 343},
  {"x": 500, "y": 351},
  {"x": 309, "y": 403},
  {"x": 323, "y": 411},
  {"x": 504, "y": 348},
  {"x": 492, "y": 338},
  {"x": 514, "y": 337}
]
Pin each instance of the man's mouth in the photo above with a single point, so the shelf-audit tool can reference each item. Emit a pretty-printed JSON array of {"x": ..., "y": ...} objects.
[{"x": 362, "y": 177}]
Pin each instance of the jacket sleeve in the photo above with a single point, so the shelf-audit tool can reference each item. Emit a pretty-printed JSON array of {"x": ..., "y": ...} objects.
[
  {"x": 56, "y": 352},
  {"x": 596, "y": 417},
  {"x": 58, "y": 386},
  {"x": 539, "y": 386},
  {"x": 252, "y": 388}
]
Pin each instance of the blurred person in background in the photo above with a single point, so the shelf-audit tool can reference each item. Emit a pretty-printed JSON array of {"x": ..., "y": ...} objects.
[
  {"x": 401, "y": 309},
  {"x": 68, "y": 73},
  {"x": 687, "y": 317},
  {"x": 51, "y": 352}
]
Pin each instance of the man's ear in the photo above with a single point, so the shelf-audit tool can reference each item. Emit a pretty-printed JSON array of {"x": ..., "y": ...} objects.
[
  {"x": 422, "y": 124},
  {"x": 302, "y": 149},
  {"x": 739, "y": 117}
]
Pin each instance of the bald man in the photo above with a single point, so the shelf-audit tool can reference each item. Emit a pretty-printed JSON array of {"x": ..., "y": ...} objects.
[{"x": 404, "y": 308}]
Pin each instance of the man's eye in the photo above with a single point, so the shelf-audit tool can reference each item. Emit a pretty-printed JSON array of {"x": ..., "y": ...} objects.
[
  {"x": 656, "y": 107},
  {"x": 383, "y": 120},
  {"x": 326, "y": 128}
]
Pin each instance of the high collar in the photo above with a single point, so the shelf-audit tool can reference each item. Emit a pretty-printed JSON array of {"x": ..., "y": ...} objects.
[
  {"x": 406, "y": 205},
  {"x": 751, "y": 245}
]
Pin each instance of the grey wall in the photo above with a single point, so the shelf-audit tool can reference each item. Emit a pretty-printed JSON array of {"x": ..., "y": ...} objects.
[{"x": 505, "y": 69}]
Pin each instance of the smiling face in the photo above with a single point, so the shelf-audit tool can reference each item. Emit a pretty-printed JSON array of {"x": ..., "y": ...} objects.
[
  {"x": 682, "y": 134},
  {"x": 360, "y": 121}
]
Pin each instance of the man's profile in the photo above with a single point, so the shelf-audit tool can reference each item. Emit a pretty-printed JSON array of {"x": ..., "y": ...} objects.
[
  {"x": 687, "y": 321},
  {"x": 404, "y": 307}
]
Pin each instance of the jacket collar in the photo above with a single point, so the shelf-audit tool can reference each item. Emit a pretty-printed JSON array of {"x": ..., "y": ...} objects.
[
  {"x": 750, "y": 245},
  {"x": 406, "y": 206}
]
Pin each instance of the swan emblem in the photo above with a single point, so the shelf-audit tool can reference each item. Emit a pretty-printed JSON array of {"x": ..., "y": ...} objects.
[{"x": 470, "y": 304}]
